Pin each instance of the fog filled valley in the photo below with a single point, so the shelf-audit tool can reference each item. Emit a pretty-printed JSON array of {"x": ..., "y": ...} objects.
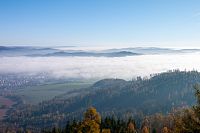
[
  {"x": 76, "y": 63},
  {"x": 47, "y": 87}
]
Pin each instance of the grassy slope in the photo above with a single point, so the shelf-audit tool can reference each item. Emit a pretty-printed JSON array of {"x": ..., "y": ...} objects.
[{"x": 36, "y": 94}]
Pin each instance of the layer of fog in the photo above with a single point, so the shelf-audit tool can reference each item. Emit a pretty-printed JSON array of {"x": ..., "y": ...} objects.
[{"x": 100, "y": 67}]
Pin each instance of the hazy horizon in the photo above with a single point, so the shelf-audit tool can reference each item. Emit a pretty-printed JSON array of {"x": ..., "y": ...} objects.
[{"x": 98, "y": 47}]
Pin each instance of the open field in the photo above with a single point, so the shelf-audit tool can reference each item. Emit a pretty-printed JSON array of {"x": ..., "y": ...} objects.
[
  {"x": 36, "y": 94},
  {"x": 7, "y": 103}
]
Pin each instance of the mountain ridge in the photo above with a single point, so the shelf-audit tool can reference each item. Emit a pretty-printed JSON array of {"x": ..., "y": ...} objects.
[{"x": 117, "y": 52}]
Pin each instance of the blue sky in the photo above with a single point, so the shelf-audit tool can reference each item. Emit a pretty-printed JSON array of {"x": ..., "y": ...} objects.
[{"x": 162, "y": 23}]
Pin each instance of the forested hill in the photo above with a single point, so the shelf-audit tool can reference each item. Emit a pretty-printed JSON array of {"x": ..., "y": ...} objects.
[{"x": 159, "y": 93}]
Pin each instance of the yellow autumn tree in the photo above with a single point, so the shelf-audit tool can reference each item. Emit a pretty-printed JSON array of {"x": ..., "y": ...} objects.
[
  {"x": 92, "y": 121},
  {"x": 106, "y": 131},
  {"x": 131, "y": 127},
  {"x": 165, "y": 130},
  {"x": 145, "y": 129}
]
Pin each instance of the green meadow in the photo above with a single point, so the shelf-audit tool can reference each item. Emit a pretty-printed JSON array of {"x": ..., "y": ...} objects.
[{"x": 36, "y": 94}]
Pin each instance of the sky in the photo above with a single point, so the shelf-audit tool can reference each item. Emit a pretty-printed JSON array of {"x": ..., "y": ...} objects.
[{"x": 158, "y": 23}]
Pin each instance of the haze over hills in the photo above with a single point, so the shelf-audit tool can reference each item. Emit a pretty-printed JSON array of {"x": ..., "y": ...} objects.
[
  {"x": 96, "y": 63},
  {"x": 63, "y": 51}
]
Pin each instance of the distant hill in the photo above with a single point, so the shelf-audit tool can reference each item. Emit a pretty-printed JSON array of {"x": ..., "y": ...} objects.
[
  {"x": 24, "y": 51},
  {"x": 153, "y": 50},
  {"x": 57, "y": 52},
  {"x": 93, "y": 54},
  {"x": 160, "y": 93}
]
